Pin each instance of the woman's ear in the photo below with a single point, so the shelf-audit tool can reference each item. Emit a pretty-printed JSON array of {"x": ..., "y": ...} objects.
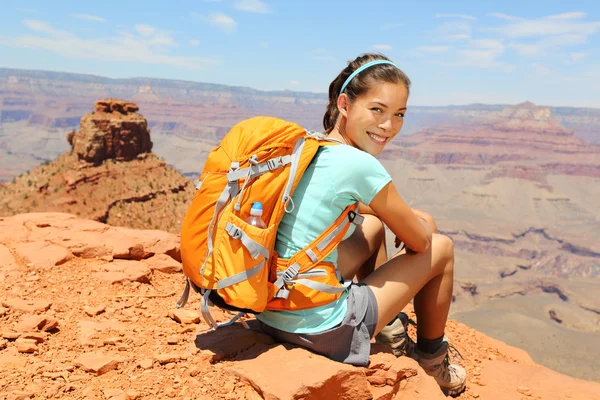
[{"x": 342, "y": 104}]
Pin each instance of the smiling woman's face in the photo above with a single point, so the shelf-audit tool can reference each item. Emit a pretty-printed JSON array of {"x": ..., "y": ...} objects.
[{"x": 374, "y": 118}]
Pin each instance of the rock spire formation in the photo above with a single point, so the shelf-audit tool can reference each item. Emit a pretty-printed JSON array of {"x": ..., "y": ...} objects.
[
  {"x": 113, "y": 130},
  {"x": 110, "y": 175}
]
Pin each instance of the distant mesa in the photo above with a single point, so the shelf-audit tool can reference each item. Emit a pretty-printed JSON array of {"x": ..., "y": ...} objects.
[{"x": 114, "y": 130}]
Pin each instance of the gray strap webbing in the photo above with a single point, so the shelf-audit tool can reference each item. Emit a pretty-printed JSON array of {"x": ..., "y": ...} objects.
[
  {"x": 241, "y": 276},
  {"x": 287, "y": 275},
  {"x": 254, "y": 248},
  {"x": 221, "y": 202},
  {"x": 232, "y": 321},
  {"x": 185, "y": 295},
  {"x": 325, "y": 242},
  {"x": 309, "y": 274},
  {"x": 312, "y": 255},
  {"x": 282, "y": 293},
  {"x": 257, "y": 170},
  {"x": 205, "y": 312},
  {"x": 321, "y": 287},
  {"x": 357, "y": 219}
]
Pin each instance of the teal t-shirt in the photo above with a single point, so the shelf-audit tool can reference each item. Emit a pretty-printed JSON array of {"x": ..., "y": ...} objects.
[{"x": 337, "y": 177}]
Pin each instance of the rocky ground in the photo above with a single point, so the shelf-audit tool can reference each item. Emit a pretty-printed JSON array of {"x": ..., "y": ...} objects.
[{"x": 87, "y": 312}]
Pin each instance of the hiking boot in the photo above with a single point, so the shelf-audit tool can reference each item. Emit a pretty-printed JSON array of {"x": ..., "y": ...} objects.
[
  {"x": 395, "y": 335},
  {"x": 450, "y": 377}
]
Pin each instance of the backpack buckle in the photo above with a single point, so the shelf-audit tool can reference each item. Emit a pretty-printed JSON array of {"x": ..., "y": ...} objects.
[
  {"x": 233, "y": 231},
  {"x": 290, "y": 273},
  {"x": 355, "y": 218},
  {"x": 274, "y": 163}
]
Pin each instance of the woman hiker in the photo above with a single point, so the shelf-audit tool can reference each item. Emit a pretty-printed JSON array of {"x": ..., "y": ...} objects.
[{"x": 367, "y": 103}]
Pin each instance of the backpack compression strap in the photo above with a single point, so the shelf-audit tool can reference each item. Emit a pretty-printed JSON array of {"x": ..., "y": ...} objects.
[{"x": 316, "y": 252}]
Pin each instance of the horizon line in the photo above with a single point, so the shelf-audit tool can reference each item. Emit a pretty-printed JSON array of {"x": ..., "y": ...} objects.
[{"x": 278, "y": 91}]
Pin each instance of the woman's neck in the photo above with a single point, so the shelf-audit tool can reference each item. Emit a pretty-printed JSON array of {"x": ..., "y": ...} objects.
[{"x": 339, "y": 133}]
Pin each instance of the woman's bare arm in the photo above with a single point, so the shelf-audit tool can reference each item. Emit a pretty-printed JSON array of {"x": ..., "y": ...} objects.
[{"x": 415, "y": 232}]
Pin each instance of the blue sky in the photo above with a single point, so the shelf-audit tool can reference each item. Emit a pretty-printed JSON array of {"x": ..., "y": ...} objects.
[{"x": 455, "y": 52}]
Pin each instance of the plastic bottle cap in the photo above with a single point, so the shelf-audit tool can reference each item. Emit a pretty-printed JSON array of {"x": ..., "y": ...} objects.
[{"x": 256, "y": 208}]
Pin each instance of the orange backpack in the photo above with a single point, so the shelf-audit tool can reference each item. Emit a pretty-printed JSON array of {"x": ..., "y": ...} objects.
[{"x": 232, "y": 263}]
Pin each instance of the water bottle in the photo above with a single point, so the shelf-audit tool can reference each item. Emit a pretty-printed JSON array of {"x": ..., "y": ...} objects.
[{"x": 255, "y": 218}]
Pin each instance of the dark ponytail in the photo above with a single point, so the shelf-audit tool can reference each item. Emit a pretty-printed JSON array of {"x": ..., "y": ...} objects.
[{"x": 360, "y": 84}]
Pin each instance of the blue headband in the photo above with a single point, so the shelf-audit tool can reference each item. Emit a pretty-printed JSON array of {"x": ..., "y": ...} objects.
[{"x": 362, "y": 68}]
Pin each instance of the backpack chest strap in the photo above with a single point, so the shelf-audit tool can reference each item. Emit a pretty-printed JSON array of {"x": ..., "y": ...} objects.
[{"x": 310, "y": 256}]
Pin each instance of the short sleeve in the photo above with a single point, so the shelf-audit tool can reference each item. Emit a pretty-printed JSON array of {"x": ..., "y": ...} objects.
[{"x": 359, "y": 178}]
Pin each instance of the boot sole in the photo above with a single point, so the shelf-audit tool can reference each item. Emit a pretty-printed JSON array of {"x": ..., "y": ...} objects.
[{"x": 453, "y": 392}]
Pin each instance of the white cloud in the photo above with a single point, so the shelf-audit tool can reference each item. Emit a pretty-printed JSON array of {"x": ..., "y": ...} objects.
[
  {"x": 547, "y": 45},
  {"x": 573, "y": 57},
  {"x": 458, "y": 16},
  {"x": 553, "y": 25},
  {"x": 453, "y": 30},
  {"x": 38, "y": 26},
  {"x": 145, "y": 44},
  {"x": 88, "y": 17},
  {"x": 540, "y": 69},
  {"x": 482, "y": 53},
  {"x": 144, "y": 30},
  {"x": 27, "y": 10},
  {"x": 460, "y": 36},
  {"x": 382, "y": 47},
  {"x": 194, "y": 42},
  {"x": 295, "y": 83},
  {"x": 254, "y": 6},
  {"x": 264, "y": 45},
  {"x": 576, "y": 56},
  {"x": 504, "y": 16},
  {"x": 433, "y": 49},
  {"x": 389, "y": 27},
  {"x": 568, "y": 15},
  {"x": 222, "y": 22}
]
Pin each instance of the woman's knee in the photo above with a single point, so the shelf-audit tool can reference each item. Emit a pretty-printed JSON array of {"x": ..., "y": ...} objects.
[{"x": 443, "y": 249}]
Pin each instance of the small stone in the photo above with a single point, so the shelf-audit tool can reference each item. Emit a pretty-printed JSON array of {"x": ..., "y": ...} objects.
[
  {"x": 146, "y": 363},
  {"x": 3, "y": 344},
  {"x": 379, "y": 378},
  {"x": 10, "y": 335},
  {"x": 474, "y": 394},
  {"x": 26, "y": 345},
  {"x": 492, "y": 356},
  {"x": 524, "y": 390},
  {"x": 96, "y": 363},
  {"x": 172, "y": 339},
  {"x": 21, "y": 395},
  {"x": 33, "y": 306},
  {"x": 167, "y": 358},
  {"x": 36, "y": 322},
  {"x": 195, "y": 371},
  {"x": 39, "y": 337},
  {"x": 185, "y": 316},
  {"x": 116, "y": 394},
  {"x": 112, "y": 341},
  {"x": 3, "y": 311},
  {"x": 93, "y": 311},
  {"x": 132, "y": 394}
]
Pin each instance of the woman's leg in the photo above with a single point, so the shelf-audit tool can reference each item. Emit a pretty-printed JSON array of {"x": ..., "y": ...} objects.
[
  {"x": 427, "y": 277},
  {"x": 364, "y": 250}
]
